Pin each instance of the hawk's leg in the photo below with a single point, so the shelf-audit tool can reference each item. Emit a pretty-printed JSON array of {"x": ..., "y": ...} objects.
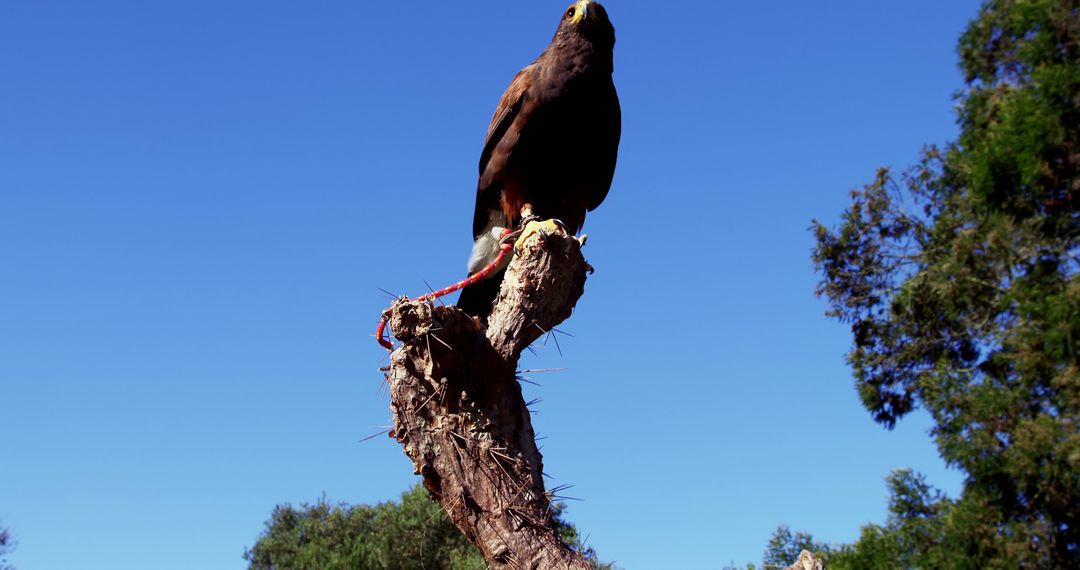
[
  {"x": 531, "y": 224},
  {"x": 535, "y": 226},
  {"x": 527, "y": 215}
]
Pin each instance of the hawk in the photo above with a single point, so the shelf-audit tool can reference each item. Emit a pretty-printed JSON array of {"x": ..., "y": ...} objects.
[{"x": 551, "y": 147}]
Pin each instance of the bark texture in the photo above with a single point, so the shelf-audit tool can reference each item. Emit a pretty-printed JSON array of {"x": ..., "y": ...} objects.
[
  {"x": 458, "y": 410},
  {"x": 806, "y": 561}
]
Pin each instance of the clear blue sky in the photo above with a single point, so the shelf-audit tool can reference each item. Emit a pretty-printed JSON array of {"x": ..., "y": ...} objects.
[{"x": 199, "y": 200}]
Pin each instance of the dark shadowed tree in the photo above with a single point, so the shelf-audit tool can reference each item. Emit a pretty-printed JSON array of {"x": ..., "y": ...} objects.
[
  {"x": 910, "y": 538},
  {"x": 7, "y": 544},
  {"x": 412, "y": 534},
  {"x": 784, "y": 547},
  {"x": 960, "y": 282},
  {"x": 912, "y": 534}
]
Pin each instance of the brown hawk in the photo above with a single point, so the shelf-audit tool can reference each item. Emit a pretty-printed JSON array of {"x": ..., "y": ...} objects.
[{"x": 551, "y": 148}]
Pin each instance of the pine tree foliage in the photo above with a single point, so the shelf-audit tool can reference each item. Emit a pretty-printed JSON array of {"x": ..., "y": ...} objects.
[
  {"x": 785, "y": 546},
  {"x": 959, "y": 279}
]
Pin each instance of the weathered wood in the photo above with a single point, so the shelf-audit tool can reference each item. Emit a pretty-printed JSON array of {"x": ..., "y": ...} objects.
[
  {"x": 459, "y": 413},
  {"x": 806, "y": 561}
]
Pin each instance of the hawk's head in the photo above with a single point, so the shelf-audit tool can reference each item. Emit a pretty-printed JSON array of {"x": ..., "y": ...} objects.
[{"x": 588, "y": 19}]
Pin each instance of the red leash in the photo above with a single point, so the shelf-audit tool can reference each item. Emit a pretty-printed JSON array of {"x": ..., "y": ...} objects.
[{"x": 380, "y": 331}]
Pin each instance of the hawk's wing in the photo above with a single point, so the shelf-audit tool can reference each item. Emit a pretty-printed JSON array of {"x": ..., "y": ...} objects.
[
  {"x": 607, "y": 153},
  {"x": 498, "y": 144},
  {"x": 505, "y": 113}
]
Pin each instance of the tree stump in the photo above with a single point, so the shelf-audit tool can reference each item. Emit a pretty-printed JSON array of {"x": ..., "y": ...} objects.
[
  {"x": 458, "y": 410},
  {"x": 806, "y": 561}
]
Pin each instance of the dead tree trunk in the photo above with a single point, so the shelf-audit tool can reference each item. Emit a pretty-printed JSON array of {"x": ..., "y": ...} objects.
[{"x": 459, "y": 413}]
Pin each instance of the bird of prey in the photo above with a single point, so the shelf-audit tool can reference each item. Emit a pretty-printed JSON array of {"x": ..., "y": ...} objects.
[{"x": 551, "y": 148}]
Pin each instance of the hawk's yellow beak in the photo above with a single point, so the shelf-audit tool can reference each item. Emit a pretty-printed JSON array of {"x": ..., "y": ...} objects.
[{"x": 582, "y": 11}]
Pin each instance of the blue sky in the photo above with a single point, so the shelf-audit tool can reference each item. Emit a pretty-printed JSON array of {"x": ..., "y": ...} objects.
[{"x": 200, "y": 200}]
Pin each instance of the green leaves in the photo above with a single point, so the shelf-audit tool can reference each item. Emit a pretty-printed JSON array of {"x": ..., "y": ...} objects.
[
  {"x": 961, "y": 283},
  {"x": 784, "y": 547},
  {"x": 411, "y": 535}
]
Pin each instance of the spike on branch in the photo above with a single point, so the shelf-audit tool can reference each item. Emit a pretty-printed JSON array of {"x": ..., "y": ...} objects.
[{"x": 458, "y": 410}]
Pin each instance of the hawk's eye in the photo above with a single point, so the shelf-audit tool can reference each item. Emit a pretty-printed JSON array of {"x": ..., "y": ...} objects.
[{"x": 570, "y": 13}]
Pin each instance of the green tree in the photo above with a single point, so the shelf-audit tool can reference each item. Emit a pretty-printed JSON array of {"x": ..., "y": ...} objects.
[
  {"x": 960, "y": 282},
  {"x": 412, "y": 534},
  {"x": 784, "y": 547},
  {"x": 912, "y": 535}
]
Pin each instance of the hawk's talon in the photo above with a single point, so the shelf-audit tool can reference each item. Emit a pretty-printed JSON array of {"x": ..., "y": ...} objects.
[{"x": 544, "y": 228}]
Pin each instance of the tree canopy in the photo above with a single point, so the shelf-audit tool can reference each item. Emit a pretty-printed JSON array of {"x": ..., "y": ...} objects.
[
  {"x": 406, "y": 535},
  {"x": 959, "y": 280}
]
